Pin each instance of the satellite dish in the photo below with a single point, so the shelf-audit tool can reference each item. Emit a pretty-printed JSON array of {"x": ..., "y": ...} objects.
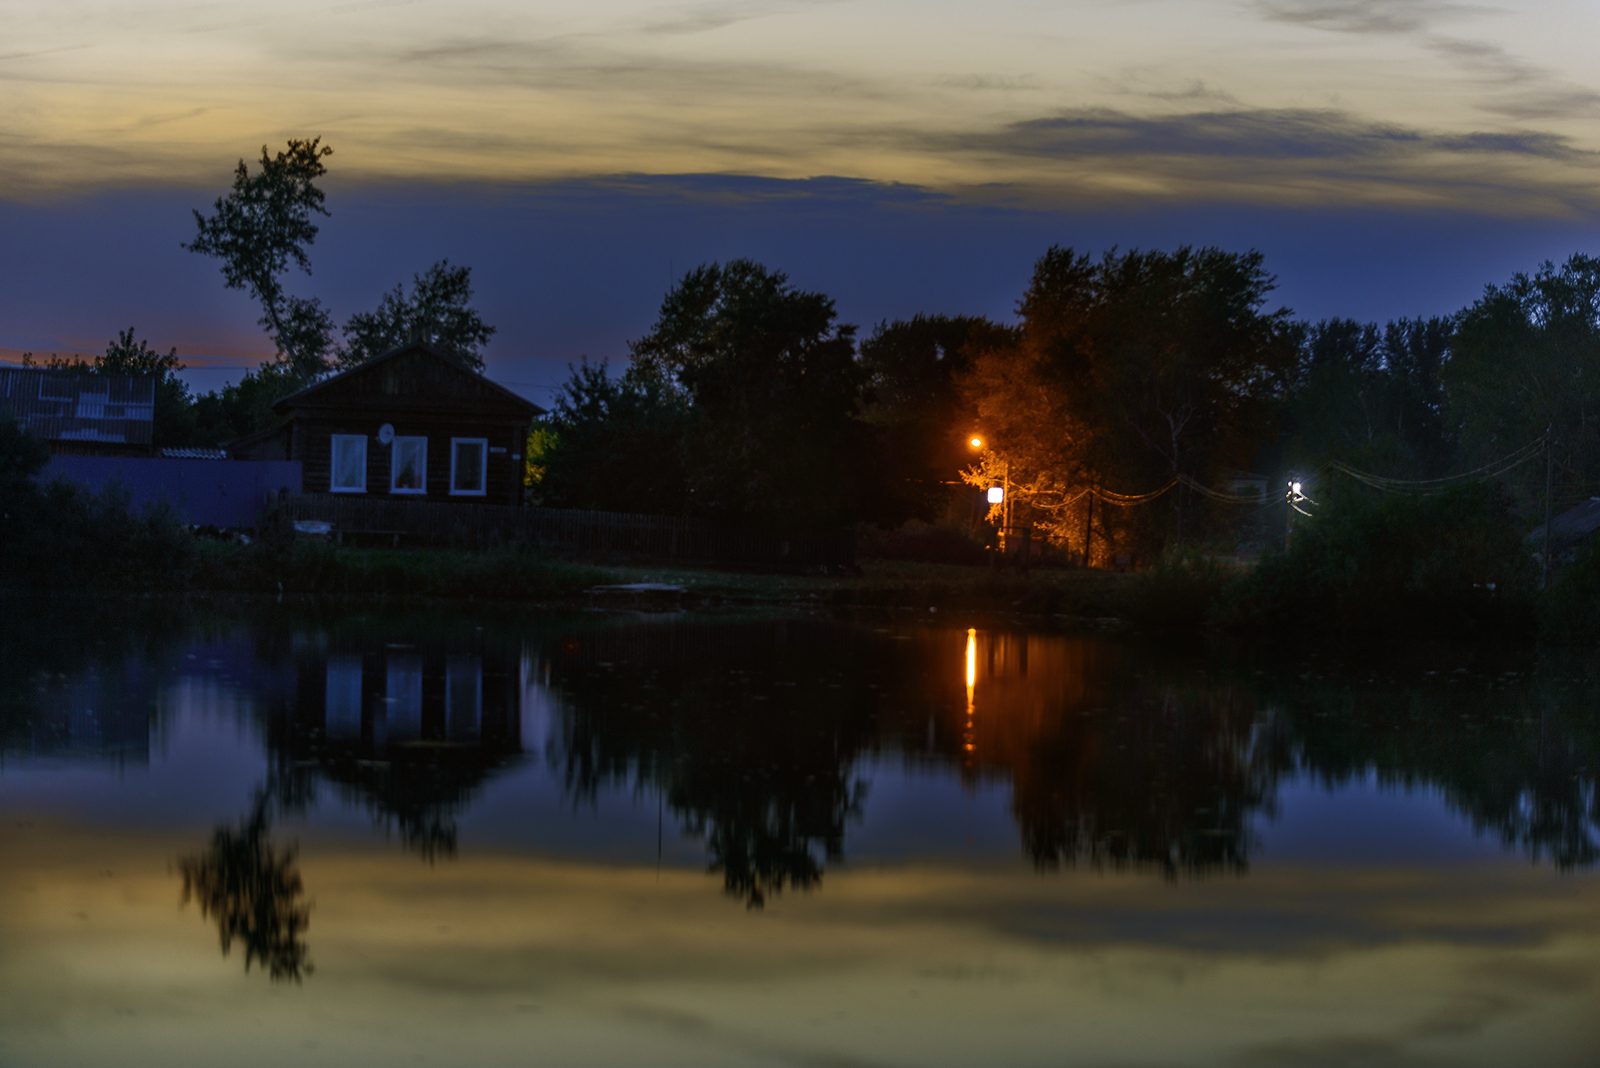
[{"x": 386, "y": 433}]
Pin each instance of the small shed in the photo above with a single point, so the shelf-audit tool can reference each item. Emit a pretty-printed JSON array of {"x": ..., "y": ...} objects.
[
  {"x": 411, "y": 424},
  {"x": 1568, "y": 531},
  {"x": 82, "y": 413}
]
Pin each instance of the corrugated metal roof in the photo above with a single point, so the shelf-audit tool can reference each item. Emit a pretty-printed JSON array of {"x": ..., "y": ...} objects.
[
  {"x": 1570, "y": 526},
  {"x": 80, "y": 406}
]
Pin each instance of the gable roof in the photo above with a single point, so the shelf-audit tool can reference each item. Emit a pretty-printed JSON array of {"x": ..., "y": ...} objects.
[{"x": 415, "y": 377}]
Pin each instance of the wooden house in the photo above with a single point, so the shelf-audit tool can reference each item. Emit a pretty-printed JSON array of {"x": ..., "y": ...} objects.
[{"x": 411, "y": 424}]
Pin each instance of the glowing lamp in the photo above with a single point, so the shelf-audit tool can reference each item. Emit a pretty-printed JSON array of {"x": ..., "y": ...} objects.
[
  {"x": 997, "y": 494},
  {"x": 977, "y": 443},
  {"x": 1295, "y": 486}
]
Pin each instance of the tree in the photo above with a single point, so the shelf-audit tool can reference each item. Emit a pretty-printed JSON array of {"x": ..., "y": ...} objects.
[
  {"x": 920, "y": 416},
  {"x": 246, "y": 406},
  {"x": 1526, "y": 359},
  {"x": 773, "y": 387},
  {"x": 258, "y": 230},
  {"x": 613, "y": 443},
  {"x": 1132, "y": 372},
  {"x": 438, "y": 312},
  {"x": 1369, "y": 397},
  {"x": 174, "y": 407}
]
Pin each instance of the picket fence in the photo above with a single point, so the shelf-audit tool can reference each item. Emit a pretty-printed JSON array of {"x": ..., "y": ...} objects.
[{"x": 567, "y": 530}]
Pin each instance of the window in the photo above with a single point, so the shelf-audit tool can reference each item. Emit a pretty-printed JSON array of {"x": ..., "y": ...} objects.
[
  {"x": 349, "y": 474},
  {"x": 408, "y": 466},
  {"x": 463, "y": 698},
  {"x": 402, "y": 699},
  {"x": 343, "y": 718},
  {"x": 469, "y": 466}
]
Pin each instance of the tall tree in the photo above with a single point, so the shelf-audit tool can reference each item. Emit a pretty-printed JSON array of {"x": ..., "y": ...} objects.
[
  {"x": 1368, "y": 396},
  {"x": 438, "y": 311},
  {"x": 1132, "y": 371},
  {"x": 913, "y": 402},
  {"x": 1526, "y": 359},
  {"x": 262, "y": 227},
  {"x": 773, "y": 386}
]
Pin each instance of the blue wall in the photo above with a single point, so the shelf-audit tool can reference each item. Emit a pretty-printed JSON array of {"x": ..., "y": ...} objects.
[{"x": 224, "y": 493}]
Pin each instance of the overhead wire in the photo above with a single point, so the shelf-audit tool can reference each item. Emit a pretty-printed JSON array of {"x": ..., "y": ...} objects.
[{"x": 1493, "y": 469}]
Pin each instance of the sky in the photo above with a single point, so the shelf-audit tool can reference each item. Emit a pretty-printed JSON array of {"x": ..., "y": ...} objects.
[{"x": 1389, "y": 157}]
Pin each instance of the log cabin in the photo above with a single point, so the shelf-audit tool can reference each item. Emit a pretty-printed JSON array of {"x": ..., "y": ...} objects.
[{"x": 412, "y": 424}]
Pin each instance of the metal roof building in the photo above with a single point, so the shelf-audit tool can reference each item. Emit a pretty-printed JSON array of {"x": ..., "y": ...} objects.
[{"x": 77, "y": 411}]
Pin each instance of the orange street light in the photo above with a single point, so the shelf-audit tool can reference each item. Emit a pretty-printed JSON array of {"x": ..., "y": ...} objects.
[{"x": 976, "y": 443}]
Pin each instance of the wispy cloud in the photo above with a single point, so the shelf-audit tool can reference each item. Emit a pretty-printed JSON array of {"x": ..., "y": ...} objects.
[
  {"x": 1368, "y": 16},
  {"x": 988, "y": 82},
  {"x": 702, "y": 18},
  {"x": 1514, "y": 86},
  {"x": 1264, "y": 134}
]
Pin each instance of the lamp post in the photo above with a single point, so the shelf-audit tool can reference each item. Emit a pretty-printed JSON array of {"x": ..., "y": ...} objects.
[{"x": 1000, "y": 494}]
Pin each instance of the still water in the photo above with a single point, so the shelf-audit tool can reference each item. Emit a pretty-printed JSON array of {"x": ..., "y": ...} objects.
[{"x": 284, "y": 837}]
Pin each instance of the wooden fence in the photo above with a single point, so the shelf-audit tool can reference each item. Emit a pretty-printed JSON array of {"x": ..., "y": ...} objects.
[{"x": 568, "y": 530}]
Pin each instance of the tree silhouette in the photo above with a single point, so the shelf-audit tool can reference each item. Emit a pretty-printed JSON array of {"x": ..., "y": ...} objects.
[{"x": 252, "y": 890}]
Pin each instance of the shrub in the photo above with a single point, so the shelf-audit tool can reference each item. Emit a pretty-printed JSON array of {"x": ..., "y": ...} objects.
[
  {"x": 1452, "y": 564},
  {"x": 59, "y": 535},
  {"x": 1570, "y": 610},
  {"x": 922, "y": 543}
]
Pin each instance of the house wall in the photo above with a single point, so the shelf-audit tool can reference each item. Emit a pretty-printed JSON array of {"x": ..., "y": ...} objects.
[
  {"x": 223, "y": 493},
  {"x": 311, "y": 443}
]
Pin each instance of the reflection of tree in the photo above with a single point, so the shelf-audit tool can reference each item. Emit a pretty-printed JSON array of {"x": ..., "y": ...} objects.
[
  {"x": 741, "y": 733},
  {"x": 1118, "y": 755},
  {"x": 253, "y": 892},
  {"x": 1519, "y": 757},
  {"x": 1168, "y": 779}
]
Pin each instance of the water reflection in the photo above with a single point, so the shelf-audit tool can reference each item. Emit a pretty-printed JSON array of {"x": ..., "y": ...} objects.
[
  {"x": 749, "y": 734},
  {"x": 252, "y": 891},
  {"x": 759, "y": 736},
  {"x": 409, "y": 730}
]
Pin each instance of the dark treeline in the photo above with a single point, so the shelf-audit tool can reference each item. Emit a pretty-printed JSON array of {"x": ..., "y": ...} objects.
[{"x": 748, "y": 399}]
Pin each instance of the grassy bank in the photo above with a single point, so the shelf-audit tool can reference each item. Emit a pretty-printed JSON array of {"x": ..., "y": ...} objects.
[{"x": 524, "y": 576}]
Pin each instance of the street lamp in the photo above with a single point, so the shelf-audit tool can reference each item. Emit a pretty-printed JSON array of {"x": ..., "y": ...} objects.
[{"x": 1000, "y": 494}]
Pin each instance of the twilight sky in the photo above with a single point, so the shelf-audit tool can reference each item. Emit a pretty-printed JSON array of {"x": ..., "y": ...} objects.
[{"x": 1390, "y": 157}]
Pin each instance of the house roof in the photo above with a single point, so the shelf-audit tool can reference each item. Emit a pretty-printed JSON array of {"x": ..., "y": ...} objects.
[
  {"x": 1572, "y": 525},
  {"x": 80, "y": 405},
  {"x": 453, "y": 386}
]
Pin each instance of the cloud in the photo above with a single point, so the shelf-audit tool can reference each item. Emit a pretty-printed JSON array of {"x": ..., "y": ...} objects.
[
  {"x": 1261, "y": 134},
  {"x": 1366, "y": 16},
  {"x": 1520, "y": 89},
  {"x": 702, "y": 18},
  {"x": 988, "y": 82}
]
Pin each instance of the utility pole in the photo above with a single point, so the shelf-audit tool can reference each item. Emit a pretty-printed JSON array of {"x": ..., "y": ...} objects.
[
  {"x": 1088, "y": 525},
  {"x": 1549, "y": 483},
  {"x": 1288, "y": 517}
]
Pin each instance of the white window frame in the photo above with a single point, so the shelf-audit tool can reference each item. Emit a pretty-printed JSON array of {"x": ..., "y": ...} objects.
[
  {"x": 394, "y": 465},
  {"x": 483, "y": 469},
  {"x": 333, "y": 463}
]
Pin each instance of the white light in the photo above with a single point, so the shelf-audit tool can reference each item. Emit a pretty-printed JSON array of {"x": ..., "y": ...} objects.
[
  {"x": 1295, "y": 486},
  {"x": 996, "y": 494}
]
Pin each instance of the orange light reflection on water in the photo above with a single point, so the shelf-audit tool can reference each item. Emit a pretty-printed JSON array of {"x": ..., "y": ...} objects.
[{"x": 972, "y": 678}]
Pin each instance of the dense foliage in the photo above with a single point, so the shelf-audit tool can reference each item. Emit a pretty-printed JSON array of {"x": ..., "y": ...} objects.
[
  {"x": 56, "y": 534},
  {"x": 1372, "y": 564}
]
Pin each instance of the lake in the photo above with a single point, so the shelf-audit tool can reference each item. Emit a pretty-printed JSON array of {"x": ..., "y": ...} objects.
[{"x": 283, "y": 835}]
